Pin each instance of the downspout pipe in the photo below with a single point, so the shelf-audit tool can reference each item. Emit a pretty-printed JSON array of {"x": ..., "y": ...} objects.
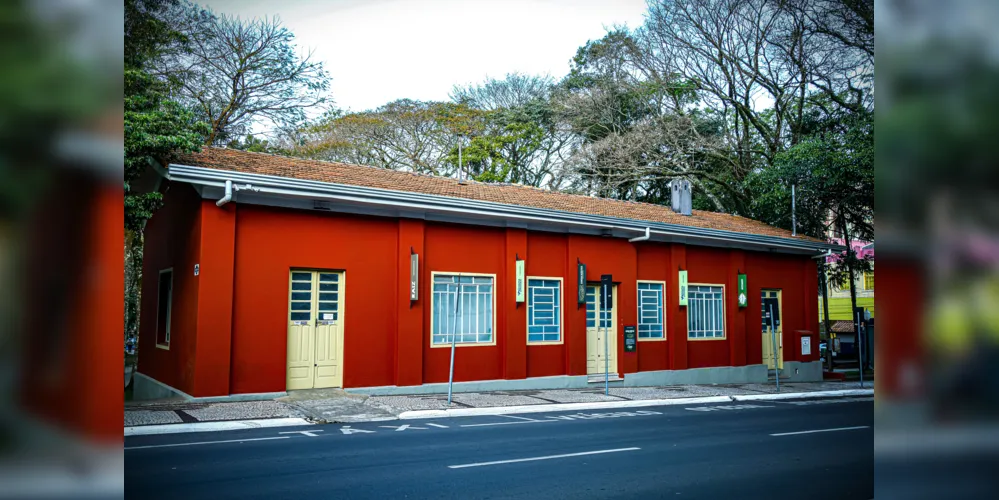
[
  {"x": 648, "y": 233},
  {"x": 228, "y": 195}
]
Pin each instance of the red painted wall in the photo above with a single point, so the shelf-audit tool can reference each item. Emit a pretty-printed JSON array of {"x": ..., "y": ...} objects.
[
  {"x": 271, "y": 241},
  {"x": 229, "y": 325},
  {"x": 453, "y": 248},
  {"x": 546, "y": 257},
  {"x": 172, "y": 239}
]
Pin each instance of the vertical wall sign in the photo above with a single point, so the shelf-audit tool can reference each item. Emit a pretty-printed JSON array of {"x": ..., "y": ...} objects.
[
  {"x": 743, "y": 296},
  {"x": 520, "y": 281},
  {"x": 414, "y": 276},
  {"x": 581, "y": 294},
  {"x": 683, "y": 288}
]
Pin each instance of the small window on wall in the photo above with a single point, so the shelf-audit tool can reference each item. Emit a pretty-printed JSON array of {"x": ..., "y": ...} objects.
[
  {"x": 869, "y": 281},
  {"x": 164, "y": 304},
  {"x": 473, "y": 323},
  {"x": 544, "y": 310},
  {"x": 650, "y": 311},
  {"x": 706, "y": 312}
]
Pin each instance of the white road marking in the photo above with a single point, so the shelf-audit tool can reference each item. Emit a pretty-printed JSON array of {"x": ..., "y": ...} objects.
[
  {"x": 202, "y": 442},
  {"x": 518, "y": 418},
  {"x": 402, "y": 427},
  {"x": 549, "y": 457},
  {"x": 347, "y": 430},
  {"x": 822, "y": 430},
  {"x": 311, "y": 434},
  {"x": 439, "y": 426},
  {"x": 826, "y": 401},
  {"x": 727, "y": 407},
  {"x": 508, "y": 423}
]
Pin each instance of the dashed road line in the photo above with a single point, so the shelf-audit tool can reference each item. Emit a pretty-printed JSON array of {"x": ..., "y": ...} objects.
[
  {"x": 822, "y": 430},
  {"x": 203, "y": 442},
  {"x": 549, "y": 457}
]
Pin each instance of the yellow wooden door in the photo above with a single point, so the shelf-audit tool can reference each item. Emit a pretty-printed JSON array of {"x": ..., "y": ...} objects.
[
  {"x": 315, "y": 330},
  {"x": 771, "y": 314},
  {"x": 596, "y": 321},
  {"x": 301, "y": 330},
  {"x": 329, "y": 330}
]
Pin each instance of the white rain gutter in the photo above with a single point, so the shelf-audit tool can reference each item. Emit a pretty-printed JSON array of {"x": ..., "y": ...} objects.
[
  {"x": 824, "y": 255},
  {"x": 228, "y": 195},
  {"x": 648, "y": 233}
]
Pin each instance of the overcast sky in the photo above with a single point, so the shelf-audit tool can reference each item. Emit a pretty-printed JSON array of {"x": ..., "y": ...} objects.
[{"x": 378, "y": 51}]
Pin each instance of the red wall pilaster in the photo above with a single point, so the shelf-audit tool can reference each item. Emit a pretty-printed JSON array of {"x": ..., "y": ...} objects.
[
  {"x": 215, "y": 289},
  {"x": 737, "y": 329},
  {"x": 515, "y": 351},
  {"x": 409, "y": 340},
  {"x": 678, "y": 332}
]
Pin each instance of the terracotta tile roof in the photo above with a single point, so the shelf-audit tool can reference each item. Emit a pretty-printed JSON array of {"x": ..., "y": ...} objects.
[
  {"x": 358, "y": 175},
  {"x": 842, "y": 326}
]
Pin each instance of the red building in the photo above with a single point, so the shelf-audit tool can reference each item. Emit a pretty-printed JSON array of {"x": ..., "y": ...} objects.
[{"x": 265, "y": 273}]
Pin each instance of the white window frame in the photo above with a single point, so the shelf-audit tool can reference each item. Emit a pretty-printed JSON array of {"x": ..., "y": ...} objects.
[
  {"x": 169, "y": 312},
  {"x": 560, "y": 316},
  {"x": 690, "y": 299},
  {"x": 662, "y": 303},
  {"x": 433, "y": 309}
]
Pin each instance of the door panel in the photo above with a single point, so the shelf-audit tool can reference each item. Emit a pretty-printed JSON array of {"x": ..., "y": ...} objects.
[
  {"x": 595, "y": 363},
  {"x": 301, "y": 321},
  {"x": 329, "y": 331},
  {"x": 771, "y": 301}
]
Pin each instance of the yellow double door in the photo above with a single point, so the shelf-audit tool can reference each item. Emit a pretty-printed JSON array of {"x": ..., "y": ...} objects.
[
  {"x": 315, "y": 329},
  {"x": 600, "y": 323}
]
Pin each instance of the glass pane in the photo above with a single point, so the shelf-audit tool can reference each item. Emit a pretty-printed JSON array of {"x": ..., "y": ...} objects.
[
  {"x": 297, "y": 285},
  {"x": 328, "y": 287},
  {"x": 301, "y": 276},
  {"x": 300, "y": 316},
  {"x": 327, "y": 296},
  {"x": 301, "y": 295},
  {"x": 328, "y": 277},
  {"x": 327, "y": 306},
  {"x": 301, "y": 306}
]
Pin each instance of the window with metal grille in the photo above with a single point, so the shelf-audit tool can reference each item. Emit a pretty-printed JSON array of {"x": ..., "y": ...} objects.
[
  {"x": 650, "y": 311},
  {"x": 473, "y": 323},
  {"x": 544, "y": 310},
  {"x": 706, "y": 312}
]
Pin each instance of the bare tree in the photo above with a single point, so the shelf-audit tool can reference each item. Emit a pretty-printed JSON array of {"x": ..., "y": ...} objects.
[{"x": 238, "y": 75}]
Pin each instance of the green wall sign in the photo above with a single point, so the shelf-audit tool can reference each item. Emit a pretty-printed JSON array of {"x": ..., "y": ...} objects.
[{"x": 743, "y": 293}]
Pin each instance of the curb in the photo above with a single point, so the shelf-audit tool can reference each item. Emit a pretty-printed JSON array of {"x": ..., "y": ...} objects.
[
  {"x": 232, "y": 425},
  {"x": 508, "y": 410}
]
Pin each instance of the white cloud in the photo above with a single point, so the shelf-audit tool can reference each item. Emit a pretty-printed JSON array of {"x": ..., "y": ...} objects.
[{"x": 381, "y": 50}]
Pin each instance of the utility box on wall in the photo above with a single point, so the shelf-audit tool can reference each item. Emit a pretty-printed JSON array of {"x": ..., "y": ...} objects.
[{"x": 807, "y": 344}]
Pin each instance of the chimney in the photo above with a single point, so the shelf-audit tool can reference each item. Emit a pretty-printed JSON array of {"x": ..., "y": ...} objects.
[{"x": 681, "y": 203}]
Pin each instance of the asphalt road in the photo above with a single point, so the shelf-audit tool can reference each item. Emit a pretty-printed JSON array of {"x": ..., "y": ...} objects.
[{"x": 696, "y": 451}]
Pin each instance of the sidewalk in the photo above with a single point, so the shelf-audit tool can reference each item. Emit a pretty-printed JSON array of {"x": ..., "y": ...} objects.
[{"x": 337, "y": 406}]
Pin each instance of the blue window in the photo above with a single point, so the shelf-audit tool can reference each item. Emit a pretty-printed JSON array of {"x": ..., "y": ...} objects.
[
  {"x": 472, "y": 321},
  {"x": 706, "y": 312},
  {"x": 544, "y": 310},
  {"x": 650, "y": 311}
]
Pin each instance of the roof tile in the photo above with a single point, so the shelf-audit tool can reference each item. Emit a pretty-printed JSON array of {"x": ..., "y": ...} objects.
[{"x": 512, "y": 194}]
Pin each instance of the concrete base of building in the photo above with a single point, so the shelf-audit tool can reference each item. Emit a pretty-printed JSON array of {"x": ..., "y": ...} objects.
[
  {"x": 749, "y": 374},
  {"x": 145, "y": 388},
  {"x": 557, "y": 382},
  {"x": 798, "y": 371}
]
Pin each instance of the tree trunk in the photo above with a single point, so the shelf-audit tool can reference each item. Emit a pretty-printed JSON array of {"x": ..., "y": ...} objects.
[
  {"x": 824, "y": 280},
  {"x": 853, "y": 290}
]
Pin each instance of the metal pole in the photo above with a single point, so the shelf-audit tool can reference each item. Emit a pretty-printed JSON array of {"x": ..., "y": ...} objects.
[
  {"x": 606, "y": 352},
  {"x": 794, "y": 219},
  {"x": 773, "y": 344},
  {"x": 860, "y": 347},
  {"x": 454, "y": 334}
]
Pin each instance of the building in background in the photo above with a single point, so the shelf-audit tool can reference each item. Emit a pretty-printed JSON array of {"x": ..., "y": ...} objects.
[{"x": 265, "y": 274}]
